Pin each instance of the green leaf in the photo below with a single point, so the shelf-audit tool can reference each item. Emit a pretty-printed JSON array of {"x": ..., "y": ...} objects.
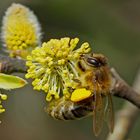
[{"x": 8, "y": 82}]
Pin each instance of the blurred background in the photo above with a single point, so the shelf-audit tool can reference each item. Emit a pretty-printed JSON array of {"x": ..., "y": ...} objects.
[{"x": 111, "y": 28}]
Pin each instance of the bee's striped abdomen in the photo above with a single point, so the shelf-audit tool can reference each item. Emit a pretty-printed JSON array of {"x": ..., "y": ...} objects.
[{"x": 68, "y": 110}]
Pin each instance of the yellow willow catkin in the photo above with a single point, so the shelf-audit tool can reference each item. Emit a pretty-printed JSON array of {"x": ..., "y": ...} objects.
[
  {"x": 21, "y": 31},
  {"x": 53, "y": 66}
]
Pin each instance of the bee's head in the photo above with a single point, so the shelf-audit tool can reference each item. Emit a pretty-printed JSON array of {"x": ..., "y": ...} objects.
[
  {"x": 92, "y": 61},
  {"x": 96, "y": 60}
]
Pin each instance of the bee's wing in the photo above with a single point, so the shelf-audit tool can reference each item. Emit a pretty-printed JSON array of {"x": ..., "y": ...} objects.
[
  {"x": 98, "y": 114},
  {"x": 109, "y": 113}
]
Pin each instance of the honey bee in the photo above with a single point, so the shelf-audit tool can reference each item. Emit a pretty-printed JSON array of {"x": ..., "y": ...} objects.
[{"x": 96, "y": 77}]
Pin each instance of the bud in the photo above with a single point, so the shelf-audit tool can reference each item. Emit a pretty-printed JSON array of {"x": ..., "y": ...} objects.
[{"x": 20, "y": 31}]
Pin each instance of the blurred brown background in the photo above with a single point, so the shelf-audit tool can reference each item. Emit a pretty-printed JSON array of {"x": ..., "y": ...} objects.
[{"x": 111, "y": 27}]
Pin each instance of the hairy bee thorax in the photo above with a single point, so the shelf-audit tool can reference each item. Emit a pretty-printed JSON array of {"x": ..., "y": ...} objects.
[{"x": 94, "y": 73}]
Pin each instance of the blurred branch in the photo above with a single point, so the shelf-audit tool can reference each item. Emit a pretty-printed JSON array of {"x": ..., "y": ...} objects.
[
  {"x": 120, "y": 87},
  {"x": 126, "y": 117},
  {"x": 10, "y": 65},
  {"x": 123, "y": 90}
]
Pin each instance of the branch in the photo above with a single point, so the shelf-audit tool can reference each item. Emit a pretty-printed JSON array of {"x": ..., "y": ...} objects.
[
  {"x": 120, "y": 87},
  {"x": 11, "y": 65},
  {"x": 123, "y": 90},
  {"x": 126, "y": 117}
]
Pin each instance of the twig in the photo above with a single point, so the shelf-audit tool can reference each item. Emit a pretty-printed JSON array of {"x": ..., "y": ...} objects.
[
  {"x": 126, "y": 117},
  {"x": 123, "y": 90},
  {"x": 120, "y": 87},
  {"x": 10, "y": 65}
]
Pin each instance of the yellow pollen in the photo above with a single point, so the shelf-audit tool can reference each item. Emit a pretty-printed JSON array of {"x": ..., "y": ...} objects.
[{"x": 80, "y": 94}]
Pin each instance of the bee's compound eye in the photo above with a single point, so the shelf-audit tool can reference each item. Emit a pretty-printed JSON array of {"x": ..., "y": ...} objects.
[{"x": 94, "y": 62}]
